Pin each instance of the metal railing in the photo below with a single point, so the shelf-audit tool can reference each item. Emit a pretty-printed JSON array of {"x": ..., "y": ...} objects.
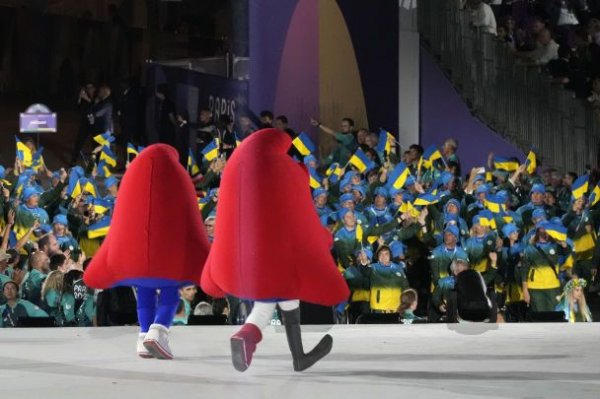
[
  {"x": 515, "y": 100},
  {"x": 226, "y": 66}
]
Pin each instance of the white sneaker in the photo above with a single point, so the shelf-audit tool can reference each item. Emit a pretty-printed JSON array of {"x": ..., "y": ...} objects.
[
  {"x": 141, "y": 349},
  {"x": 157, "y": 342}
]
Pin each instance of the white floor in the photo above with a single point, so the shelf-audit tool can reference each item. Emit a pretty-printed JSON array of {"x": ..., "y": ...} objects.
[{"x": 422, "y": 361}]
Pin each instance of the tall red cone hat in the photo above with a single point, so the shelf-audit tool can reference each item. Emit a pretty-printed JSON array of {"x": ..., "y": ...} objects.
[
  {"x": 269, "y": 242},
  {"x": 156, "y": 237}
]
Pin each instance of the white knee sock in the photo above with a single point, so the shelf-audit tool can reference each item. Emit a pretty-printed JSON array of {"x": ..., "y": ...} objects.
[
  {"x": 261, "y": 314},
  {"x": 286, "y": 306}
]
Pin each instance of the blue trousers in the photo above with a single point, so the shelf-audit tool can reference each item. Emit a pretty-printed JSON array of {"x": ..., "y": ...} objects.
[{"x": 155, "y": 308}]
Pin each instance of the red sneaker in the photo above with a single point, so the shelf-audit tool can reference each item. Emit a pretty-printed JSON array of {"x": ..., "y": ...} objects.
[{"x": 243, "y": 345}]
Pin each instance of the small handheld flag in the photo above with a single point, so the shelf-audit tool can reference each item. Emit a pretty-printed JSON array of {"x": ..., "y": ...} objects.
[
  {"x": 580, "y": 186},
  {"x": 104, "y": 139},
  {"x": 399, "y": 175},
  {"x": 361, "y": 162},
  {"x": 303, "y": 144}
]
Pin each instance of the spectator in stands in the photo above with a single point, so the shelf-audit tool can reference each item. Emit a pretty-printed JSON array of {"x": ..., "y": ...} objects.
[
  {"x": 130, "y": 111},
  {"x": 281, "y": 123},
  {"x": 388, "y": 281},
  {"x": 482, "y": 16},
  {"x": 547, "y": 50},
  {"x": 16, "y": 308},
  {"x": 49, "y": 245},
  {"x": 345, "y": 138},
  {"x": 573, "y": 303},
  {"x": 209, "y": 224},
  {"x": 102, "y": 111},
  {"x": 449, "y": 152},
  {"x": 203, "y": 309},
  {"x": 205, "y": 129},
  {"x": 166, "y": 115},
  {"x": 409, "y": 300},
  {"x": 51, "y": 296},
  {"x": 526, "y": 39},
  {"x": 266, "y": 119},
  {"x": 226, "y": 135},
  {"x": 187, "y": 295},
  {"x": 85, "y": 102},
  {"x": 358, "y": 277},
  {"x": 245, "y": 127},
  {"x": 507, "y": 32}
]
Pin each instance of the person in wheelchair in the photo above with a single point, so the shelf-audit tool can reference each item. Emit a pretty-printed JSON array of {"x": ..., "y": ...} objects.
[{"x": 462, "y": 296}]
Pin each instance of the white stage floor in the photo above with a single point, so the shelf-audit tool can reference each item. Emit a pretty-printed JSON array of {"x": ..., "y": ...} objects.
[{"x": 367, "y": 361}]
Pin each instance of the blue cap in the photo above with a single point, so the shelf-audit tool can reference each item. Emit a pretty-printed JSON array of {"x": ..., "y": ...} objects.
[
  {"x": 446, "y": 178},
  {"x": 2, "y": 172},
  {"x": 509, "y": 228},
  {"x": 111, "y": 181},
  {"x": 346, "y": 197},
  {"x": 408, "y": 197},
  {"x": 452, "y": 229},
  {"x": 29, "y": 192},
  {"x": 452, "y": 201},
  {"x": 381, "y": 191},
  {"x": 342, "y": 212},
  {"x": 45, "y": 228},
  {"x": 367, "y": 252},
  {"x": 410, "y": 181},
  {"x": 395, "y": 191},
  {"x": 538, "y": 213},
  {"x": 484, "y": 188},
  {"x": 359, "y": 188},
  {"x": 318, "y": 192},
  {"x": 538, "y": 188},
  {"x": 349, "y": 175},
  {"x": 397, "y": 248},
  {"x": 476, "y": 220},
  {"x": 60, "y": 219},
  {"x": 479, "y": 178},
  {"x": 502, "y": 195},
  {"x": 309, "y": 158}
]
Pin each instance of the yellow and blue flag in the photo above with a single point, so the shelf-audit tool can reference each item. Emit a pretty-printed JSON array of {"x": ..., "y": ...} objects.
[
  {"x": 88, "y": 186},
  {"x": 594, "y": 196},
  {"x": 37, "y": 159},
  {"x": 580, "y": 186},
  {"x": 303, "y": 144},
  {"x": 426, "y": 199},
  {"x": 334, "y": 172},
  {"x": 384, "y": 145},
  {"x": 238, "y": 141},
  {"x": 494, "y": 203},
  {"x": 407, "y": 207},
  {"x": 531, "y": 163},
  {"x": 361, "y": 162},
  {"x": 100, "y": 228},
  {"x": 555, "y": 230},
  {"x": 192, "y": 165},
  {"x": 103, "y": 170},
  {"x": 211, "y": 151},
  {"x": 75, "y": 190},
  {"x": 108, "y": 156},
  {"x": 104, "y": 139},
  {"x": 132, "y": 150},
  {"x": 24, "y": 153},
  {"x": 101, "y": 206},
  {"x": 315, "y": 179},
  {"x": 507, "y": 164},
  {"x": 430, "y": 155},
  {"x": 398, "y": 177},
  {"x": 486, "y": 218}
]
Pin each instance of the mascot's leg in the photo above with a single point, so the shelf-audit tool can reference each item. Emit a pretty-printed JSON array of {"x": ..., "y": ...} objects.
[
  {"x": 157, "y": 339},
  {"x": 243, "y": 342},
  {"x": 291, "y": 319},
  {"x": 146, "y": 310}
]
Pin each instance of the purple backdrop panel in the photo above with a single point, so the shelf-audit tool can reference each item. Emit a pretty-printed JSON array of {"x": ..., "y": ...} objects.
[
  {"x": 297, "y": 92},
  {"x": 444, "y": 115},
  {"x": 269, "y": 21}
]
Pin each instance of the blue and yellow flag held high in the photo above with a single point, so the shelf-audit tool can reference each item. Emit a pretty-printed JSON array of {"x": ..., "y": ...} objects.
[
  {"x": 361, "y": 162},
  {"x": 507, "y": 164},
  {"x": 555, "y": 230},
  {"x": 37, "y": 159},
  {"x": 103, "y": 170},
  {"x": 384, "y": 145},
  {"x": 494, "y": 203},
  {"x": 303, "y": 144},
  {"x": 531, "y": 163},
  {"x": 24, "y": 153},
  {"x": 192, "y": 165},
  {"x": 100, "y": 228},
  {"x": 88, "y": 186},
  {"x": 594, "y": 196},
  {"x": 430, "y": 155},
  {"x": 580, "y": 186},
  {"x": 132, "y": 150},
  {"x": 211, "y": 151},
  {"x": 315, "y": 179},
  {"x": 426, "y": 199},
  {"x": 101, "y": 206},
  {"x": 398, "y": 177},
  {"x": 108, "y": 156},
  {"x": 104, "y": 139},
  {"x": 334, "y": 172}
]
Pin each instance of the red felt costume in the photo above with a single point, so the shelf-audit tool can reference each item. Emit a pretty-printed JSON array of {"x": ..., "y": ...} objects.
[
  {"x": 156, "y": 234},
  {"x": 269, "y": 243}
]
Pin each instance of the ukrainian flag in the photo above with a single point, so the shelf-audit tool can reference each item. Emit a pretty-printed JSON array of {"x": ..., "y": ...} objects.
[
  {"x": 192, "y": 165},
  {"x": 580, "y": 186},
  {"x": 211, "y": 151},
  {"x": 101, "y": 206},
  {"x": 131, "y": 150},
  {"x": 100, "y": 228},
  {"x": 399, "y": 175},
  {"x": 407, "y": 207},
  {"x": 303, "y": 144},
  {"x": 361, "y": 162},
  {"x": 334, "y": 172},
  {"x": 88, "y": 186},
  {"x": 103, "y": 170},
  {"x": 24, "y": 153},
  {"x": 37, "y": 159},
  {"x": 238, "y": 141},
  {"x": 502, "y": 163},
  {"x": 494, "y": 204},
  {"x": 426, "y": 199},
  {"x": 555, "y": 230},
  {"x": 75, "y": 190},
  {"x": 384, "y": 145},
  {"x": 104, "y": 139},
  {"x": 486, "y": 218},
  {"x": 595, "y": 196},
  {"x": 109, "y": 156},
  {"x": 315, "y": 180},
  {"x": 531, "y": 163},
  {"x": 430, "y": 155}
]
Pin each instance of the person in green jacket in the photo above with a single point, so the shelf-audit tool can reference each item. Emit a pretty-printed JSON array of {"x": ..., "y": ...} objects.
[
  {"x": 388, "y": 280},
  {"x": 51, "y": 296},
  {"x": 39, "y": 267},
  {"x": 358, "y": 277},
  {"x": 580, "y": 222},
  {"x": 16, "y": 308}
]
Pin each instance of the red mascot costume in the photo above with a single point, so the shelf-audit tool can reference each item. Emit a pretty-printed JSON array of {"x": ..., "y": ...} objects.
[
  {"x": 156, "y": 243},
  {"x": 270, "y": 246}
]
